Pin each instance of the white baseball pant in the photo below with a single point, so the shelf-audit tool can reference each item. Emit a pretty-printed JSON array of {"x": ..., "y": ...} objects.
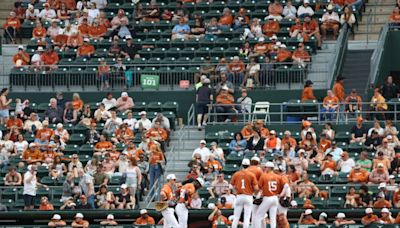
[
  {"x": 254, "y": 209},
  {"x": 183, "y": 214},
  {"x": 169, "y": 218},
  {"x": 270, "y": 204},
  {"x": 242, "y": 202}
]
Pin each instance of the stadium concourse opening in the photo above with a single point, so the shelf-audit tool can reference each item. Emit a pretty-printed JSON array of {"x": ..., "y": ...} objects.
[{"x": 196, "y": 113}]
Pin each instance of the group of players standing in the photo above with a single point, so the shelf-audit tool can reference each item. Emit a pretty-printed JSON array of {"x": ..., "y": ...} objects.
[{"x": 260, "y": 188}]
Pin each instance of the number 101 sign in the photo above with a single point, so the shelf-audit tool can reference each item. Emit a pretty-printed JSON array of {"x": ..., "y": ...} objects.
[{"x": 149, "y": 81}]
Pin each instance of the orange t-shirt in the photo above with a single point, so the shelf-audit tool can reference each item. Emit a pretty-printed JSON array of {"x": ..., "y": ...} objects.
[
  {"x": 396, "y": 196},
  {"x": 270, "y": 28},
  {"x": 145, "y": 221},
  {"x": 296, "y": 27},
  {"x": 77, "y": 104},
  {"x": 97, "y": 31},
  {"x": 83, "y": 29},
  {"x": 310, "y": 26},
  {"x": 14, "y": 122},
  {"x": 153, "y": 132},
  {"x": 86, "y": 49},
  {"x": 47, "y": 207},
  {"x": 271, "y": 143},
  {"x": 302, "y": 54},
  {"x": 382, "y": 204},
  {"x": 220, "y": 220},
  {"x": 103, "y": 145},
  {"x": 24, "y": 57},
  {"x": 361, "y": 176},
  {"x": 244, "y": 182},
  {"x": 324, "y": 144},
  {"x": 394, "y": 17},
  {"x": 270, "y": 183},
  {"x": 246, "y": 132},
  {"x": 264, "y": 132},
  {"x": 215, "y": 164},
  {"x": 39, "y": 32},
  {"x": 31, "y": 155},
  {"x": 50, "y": 58},
  {"x": 255, "y": 170},
  {"x": 44, "y": 132},
  {"x": 331, "y": 100},
  {"x": 155, "y": 157},
  {"x": 104, "y": 68},
  {"x": 308, "y": 221},
  {"x": 226, "y": 20},
  {"x": 291, "y": 141},
  {"x": 114, "y": 155},
  {"x": 225, "y": 99},
  {"x": 12, "y": 22},
  {"x": 330, "y": 165},
  {"x": 283, "y": 55},
  {"x": 49, "y": 154},
  {"x": 373, "y": 218},
  {"x": 61, "y": 39},
  {"x": 128, "y": 132},
  {"x": 307, "y": 94},
  {"x": 260, "y": 48},
  {"x": 237, "y": 67},
  {"x": 338, "y": 90}
]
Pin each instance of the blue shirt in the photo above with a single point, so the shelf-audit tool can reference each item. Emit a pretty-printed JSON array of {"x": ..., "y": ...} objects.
[{"x": 177, "y": 29}]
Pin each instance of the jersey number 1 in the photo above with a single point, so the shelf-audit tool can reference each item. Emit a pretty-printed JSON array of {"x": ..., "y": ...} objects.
[{"x": 243, "y": 187}]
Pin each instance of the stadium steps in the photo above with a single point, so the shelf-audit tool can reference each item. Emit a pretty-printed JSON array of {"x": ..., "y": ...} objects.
[
  {"x": 183, "y": 153},
  {"x": 356, "y": 69},
  {"x": 319, "y": 71},
  {"x": 6, "y": 7},
  {"x": 8, "y": 50},
  {"x": 380, "y": 13}
]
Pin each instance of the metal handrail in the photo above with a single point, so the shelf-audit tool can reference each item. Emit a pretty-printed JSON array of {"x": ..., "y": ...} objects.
[
  {"x": 339, "y": 50},
  {"x": 369, "y": 20},
  {"x": 191, "y": 116},
  {"x": 376, "y": 57}
]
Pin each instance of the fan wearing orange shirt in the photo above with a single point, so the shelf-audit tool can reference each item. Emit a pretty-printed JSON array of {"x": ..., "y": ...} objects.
[
  {"x": 381, "y": 202},
  {"x": 225, "y": 104},
  {"x": 369, "y": 217},
  {"x": 311, "y": 28},
  {"x": 261, "y": 48},
  {"x": 45, "y": 132},
  {"x": 103, "y": 145},
  {"x": 216, "y": 218},
  {"x": 32, "y": 155},
  {"x": 288, "y": 139},
  {"x": 330, "y": 105},
  {"x": 97, "y": 31},
  {"x": 50, "y": 58},
  {"x": 271, "y": 27},
  {"x": 264, "y": 132},
  {"x": 247, "y": 131},
  {"x": 75, "y": 40},
  {"x": 338, "y": 88},
  {"x": 394, "y": 18},
  {"x": 358, "y": 175},
  {"x": 245, "y": 183},
  {"x": 324, "y": 143},
  {"x": 145, "y": 218},
  {"x": 226, "y": 21},
  {"x": 21, "y": 58},
  {"x": 300, "y": 56},
  {"x": 124, "y": 134},
  {"x": 14, "y": 122},
  {"x": 396, "y": 198},
  {"x": 86, "y": 50},
  {"x": 270, "y": 185},
  {"x": 284, "y": 55},
  {"x": 308, "y": 93},
  {"x": 328, "y": 165},
  {"x": 186, "y": 192},
  {"x": 83, "y": 28},
  {"x": 236, "y": 70},
  {"x": 157, "y": 133},
  {"x": 212, "y": 163},
  {"x": 77, "y": 103},
  {"x": 39, "y": 31}
]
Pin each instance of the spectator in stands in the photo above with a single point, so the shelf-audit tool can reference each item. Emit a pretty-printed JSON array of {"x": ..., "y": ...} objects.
[
  {"x": 202, "y": 150},
  {"x": 83, "y": 28},
  {"x": 296, "y": 30},
  {"x": 275, "y": 10},
  {"x": 369, "y": 218},
  {"x": 143, "y": 124},
  {"x": 389, "y": 89},
  {"x": 32, "y": 124},
  {"x": 224, "y": 83},
  {"x": 241, "y": 19},
  {"x": 110, "y": 221},
  {"x": 11, "y": 28},
  {"x": 330, "y": 22},
  {"x": 341, "y": 220},
  {"x": 225, "y": 105},
  {"x": 124, "y": 103},
  {"x": 252, "y": 74},
  {"x": 181, "y": 30},
  {"x": 307, "y": 219},
  {"x": 378, "y": 105},
  {"x": 364, "y": 162},
  {"x": 272, "y": 143},
  {"x": 92, "y": 12},
  {"x": 53, "y": 31},
  {"x": 351, "y": 198},
  {"x": 97, "y": 31},
  {"x": 207, "y": 68},
  {"x": 30, "y": 187},
  {"x": 311, "y": 28},
  {"x": 255, "y": 30},
  {"x": 104, "y": 74},
  {"x": 284, "y": 55},
  {"x": 47, "y": 14},
  {"x": 157, "y": 133},
  {"x": 130, "y": 50},
  {"x": 216, "y": 218},
  {"x": 56, "y": 221},
  {"x": 39, "y": 31},
  {"x": 358, "y": 175},
  {"x": 358, "y": 132},
  {"x": 50, "y": 58},
  {"x": 218, "y": 186},
  {"x": 338, "y": 88},
  {"x": 236, "y": 70},
  {"x": 345, "y": 164},
  {"x": 144, "y": 219},
  {"x": 152, "y": 12},
  {"x": 83, "y": 204},
  {"x": 75, "y": 40},
  {"x": 289, "y": 11},
  {"x": 79, "y": 222},
  {"x": 388, "y": 151},
  {"x": 305, "y": 10},
  {"x": 379, "y": 175},
  {"x": 63, "y": 13},
  {"x": 386, "y": 217},
  {"x": 245, "y": 102},
  {"x": 260, "y": 49},
  {"x": 300, "y": 56},
  {"x": 306, "y": 188},
  {"x": 226, "y": 20},
  {"x": 308, "y": 93},
  {"x": 45, "y": 205},
  {"x": 115, "y": 49},
  {"x": 330, "y": 105},
  {"x": 124, "y": 200},
  {"x": 21, "y": 58},
  {"x": 381, "y": 202},
  {"x": 31, "y": 14},
  {"x": 86, "y": 50},
  {"x": 87, "y": 186},
  {"x": 381, "y": 159},
  {"x": 156, "y": 162},
  {"x": 198, "y": 29},
  {"x": 353, "y": 102},
  {"x": 12, "y": 178},
  {"x": 271, "y": 27},
  {"x": 348, "y": 18},
  {"x": 238, "y": 144},
  {"x": 53, "y": 114},
  {"x": 112, "y": 124},
  {"x": 116, "y": 21},
  {"x": 36, "y": 60}
]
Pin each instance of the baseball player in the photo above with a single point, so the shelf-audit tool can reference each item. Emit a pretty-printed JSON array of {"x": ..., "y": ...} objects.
[
  {"x": 245, "y": 184},
  {"x": 185, "y": 196},
  {"x": 255, "y": 168},
  {"x": 270, "y": 184},
  {"x": 168, "y": 194},
  {"x": 285, "y": 191}
]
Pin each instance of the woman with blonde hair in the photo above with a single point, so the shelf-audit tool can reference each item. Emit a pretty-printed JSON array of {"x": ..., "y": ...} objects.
[
  {"x": 156, "y": 162},
  {"x": 77, "y": 103},
  {"x": 133, "y": 176}
]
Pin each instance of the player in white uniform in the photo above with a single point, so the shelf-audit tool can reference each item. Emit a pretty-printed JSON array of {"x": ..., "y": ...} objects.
[
  {"x": 286, "y": 192},
  {"x": 168, "y": 194}
]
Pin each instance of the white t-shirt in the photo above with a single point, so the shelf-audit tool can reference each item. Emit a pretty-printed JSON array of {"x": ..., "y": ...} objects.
[
  {"x": 204, "y": 153},
  {"x": 218, "y": 152},
  {"x": 29, "y": 186},
  {"x": 109, "y": 103},
  {"x": 146, "y": 124},
  {"x": 347, "y": 165},
  {"x": 20, "y": 146},
  {"x": 131, "y": 123}
]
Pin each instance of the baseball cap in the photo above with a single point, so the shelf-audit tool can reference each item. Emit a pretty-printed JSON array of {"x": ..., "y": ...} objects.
[
  {"x": 142, "y": 113},
  {"x": 203, "y": 77},
  {"x": 225, "y": 87},
  {"x": 382, "y": 185},
  {"x": 56, "y": 217},
  {"x": 171, "y": 177},
  {"x": 213, "y": 144},
  {"x": 60, "y": 125},
  {"x": 272, "y": 132},
  {"x": 143, "y": 211},
  {"x": 389, "y": 137},
  {"x": 20, "y": 47},
  {"x": 79, "y": 215},
  {"x": 293, "y": 203},
  {"x": 385, "y": 210},
  {"x": 282, "y": 46},
  {"x": 206, "y": 80},
  {"x": 246, "y": 161},
  {"x": 323, "y": 214},
  {"x": 269, "y": 165},
  {"x": 124, "y": 186},
  {"x": 340, "y": 215},
  {"x": 40, "y": 48},
  {"x": 86, "y": 40},
  {"x": 110, "y": 217},
  {"x": 287, "y": 133},
  {"x": 369, "y": 211},
  {"x": 128, "y": 37},
  {"x": 307, "y": 1},
  {"x": 203, "y": 141},
  {"x": 124, "y": 94},
  {"x": 255, "y": 159},
  {"x": 329, "y": 7},
  {"x": 274, "y": 37},
  {"x": 308, "y": 212}
]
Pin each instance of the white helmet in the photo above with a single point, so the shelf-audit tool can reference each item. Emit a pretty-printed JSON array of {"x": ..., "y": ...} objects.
[{"x": 200, "y": 180}]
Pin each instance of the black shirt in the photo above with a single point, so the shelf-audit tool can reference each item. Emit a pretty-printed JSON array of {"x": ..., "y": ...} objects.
[
  {"x": 373, "y": 141},
  {"x": 203, "y": 94},
  {"x": 390, "y": 91},
  {"x": 358, "y": 132},
  {"x": 83, "y": 206},
  {"x": 132, "y": 50}
]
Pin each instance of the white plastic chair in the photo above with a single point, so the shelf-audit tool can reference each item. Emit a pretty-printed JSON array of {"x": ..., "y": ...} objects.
[{"x": 262, "y": 108}]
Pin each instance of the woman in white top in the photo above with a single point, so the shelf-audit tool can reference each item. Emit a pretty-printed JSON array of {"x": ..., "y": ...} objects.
[
  {"x": 130, "y": 120},
  {"x": 328, "y": 131},
  {"x": 218, "y": 153},
  {"x": 348, "y": 17},
  {"x": 20, "y": 146},
  {"x": 101, "y": 114},
  {"x": 91, "y": 166},
  {"x": 390, "y": 129},
  {"x": 30, "y": 187},
  {"x": 8, "y": 144},
  {"x": 133, "y": 176},
  {"x": 109, "y": 101},
  {"x": 377, "y": 127},
  {"x": 63, "y": 133}
]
